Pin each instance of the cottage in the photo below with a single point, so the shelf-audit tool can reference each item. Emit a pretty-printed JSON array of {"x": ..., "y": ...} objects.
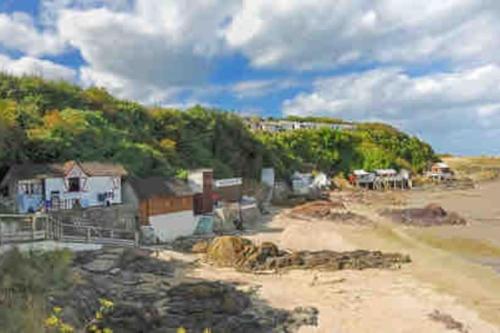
[
  {"x": 441, "y": 171},
  {"x": 59, "y": 186},
  {"x": 165, "y": 205},
  {"x": 362, "y": 178}
]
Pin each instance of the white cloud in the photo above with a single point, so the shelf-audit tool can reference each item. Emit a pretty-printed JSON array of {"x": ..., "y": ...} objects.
[
  {"x": 127, "y": 88},
  {"x": 156, "y": 46},
  {"x": 318, "y": 34},
  {"x": 18, "y": 32},
  {"x": 429, "y": 105},
  {"x": 34, "y": 66}
]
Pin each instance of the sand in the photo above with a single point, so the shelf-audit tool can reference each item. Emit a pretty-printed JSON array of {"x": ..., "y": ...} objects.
[
  {"x": 348, "y": 301},
  {"x": 455, "y": 283}
]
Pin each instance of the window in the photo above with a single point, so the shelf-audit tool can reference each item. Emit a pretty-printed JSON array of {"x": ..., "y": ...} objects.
[
  {"x": 30, "y": 188},
  {"x": 74, "y": 184}
]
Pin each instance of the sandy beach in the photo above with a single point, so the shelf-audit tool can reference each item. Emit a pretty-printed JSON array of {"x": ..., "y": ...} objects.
[{"x": 439, "y": 279}]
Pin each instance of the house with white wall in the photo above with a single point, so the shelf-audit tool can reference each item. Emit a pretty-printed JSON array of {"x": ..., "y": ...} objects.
[
  {"x": 164, "y": 205},
  {"x": 59, "y": 186}
]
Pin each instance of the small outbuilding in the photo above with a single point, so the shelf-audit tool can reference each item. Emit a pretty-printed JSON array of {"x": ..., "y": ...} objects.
[{"x": 166, "y": 205}]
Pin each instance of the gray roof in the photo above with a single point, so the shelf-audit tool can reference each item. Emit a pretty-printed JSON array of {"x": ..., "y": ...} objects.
[
  {"x": 50, "y": 170},
  {"x": 146, "y": 188}
]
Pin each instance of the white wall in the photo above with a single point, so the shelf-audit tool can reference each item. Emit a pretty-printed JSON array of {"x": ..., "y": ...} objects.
[
  {"x": 168, "y": 227},
  {"x": 89, "y": 190},
  {"x": 195, "y": 181}
]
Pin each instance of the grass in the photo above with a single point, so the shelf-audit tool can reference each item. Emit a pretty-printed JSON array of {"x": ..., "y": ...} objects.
[
  {"x": 482, "y": 168},
  {"x": 26, "y": 279}
]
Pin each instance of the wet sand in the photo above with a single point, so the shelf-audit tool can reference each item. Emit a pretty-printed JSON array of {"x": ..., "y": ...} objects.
[
  {"x": 480, "y": 206},
  {"x": 451, "y": 277},
  {"x": 358, "y": 301}
]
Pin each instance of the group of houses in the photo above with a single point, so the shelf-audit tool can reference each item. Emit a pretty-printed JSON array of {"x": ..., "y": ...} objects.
[
  {"x": 381, "y": 179},
  {"x": 392, "y": 179},
  {"x": 167, "y": 207},
  {"x": 274, "y": 126}
]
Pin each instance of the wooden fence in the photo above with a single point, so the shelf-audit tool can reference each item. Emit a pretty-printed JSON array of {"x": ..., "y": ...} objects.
[{"x": 30, "y": 228}]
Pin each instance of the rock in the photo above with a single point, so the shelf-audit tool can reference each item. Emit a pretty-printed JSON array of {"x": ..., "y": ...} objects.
[
  {"x": 430, "y": 215},
  {"x": 100, "y": 265},
  {"x": 115, "y": 271},
  {"x": 145, "y": 301},
  {"x": 200, "y": 246},
  {"x": 227, "y": 250},
  {"x": 244, "y": 255}
]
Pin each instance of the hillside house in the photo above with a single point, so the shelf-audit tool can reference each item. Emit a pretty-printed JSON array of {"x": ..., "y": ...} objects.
[
  {"x": 441, "y": 171},
  {"x": 165, "y": 205},
  {"x": 60, "y": 186}
]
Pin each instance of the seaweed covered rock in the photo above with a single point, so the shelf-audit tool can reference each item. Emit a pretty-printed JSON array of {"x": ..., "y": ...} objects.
[
  {"x": 328, "y": 210},
  {"x": 244, "y": 255},
  {"x": 430, "y": 215},
  {"x": 228, "y": 250},
  {"x": 147, "y": 297}
]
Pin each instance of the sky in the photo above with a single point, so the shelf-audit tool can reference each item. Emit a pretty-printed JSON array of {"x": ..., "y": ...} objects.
[{"x": 431, "y": 68}]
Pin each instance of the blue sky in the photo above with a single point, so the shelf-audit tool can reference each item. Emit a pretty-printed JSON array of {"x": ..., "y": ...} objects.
[{"x": 430, "y": 68}]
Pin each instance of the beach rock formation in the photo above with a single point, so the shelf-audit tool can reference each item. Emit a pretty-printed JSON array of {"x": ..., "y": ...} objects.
[
  {"x": 148, "y": 298},
  {"x": 430, "y": 215},
  {"x": 241, "y": 253},
  {"x": 329, "y": 210}
]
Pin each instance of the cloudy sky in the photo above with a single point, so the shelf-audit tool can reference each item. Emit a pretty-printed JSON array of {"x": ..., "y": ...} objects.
[{"x": 429, "y": 67}]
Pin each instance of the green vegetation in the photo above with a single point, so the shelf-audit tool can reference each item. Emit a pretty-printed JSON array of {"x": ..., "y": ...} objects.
[
  {"x": 53, "y": 121},
  {"x": 25, "y": 282}
]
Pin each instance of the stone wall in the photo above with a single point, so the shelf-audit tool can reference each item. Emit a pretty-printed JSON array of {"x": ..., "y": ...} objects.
[{"x": 113, "y": 217}]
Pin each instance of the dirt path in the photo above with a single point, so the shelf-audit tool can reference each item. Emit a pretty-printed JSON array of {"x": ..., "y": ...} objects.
[{"x": 351, "y": 301}]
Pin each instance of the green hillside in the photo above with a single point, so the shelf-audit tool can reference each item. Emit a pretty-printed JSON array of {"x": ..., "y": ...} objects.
[{"x": 48, "y": 121}]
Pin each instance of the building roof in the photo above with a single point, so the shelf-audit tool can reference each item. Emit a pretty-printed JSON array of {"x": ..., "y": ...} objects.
[
  {"x": 360, "y": 172},
  {"x": 385, "y": 172},
  {"x": 49, "y": 170},
  {"x": 146, "y": 188},
  {"x": 441, "y": 165}
]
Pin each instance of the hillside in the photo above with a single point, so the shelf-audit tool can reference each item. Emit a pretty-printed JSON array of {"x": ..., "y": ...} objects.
[
  {"x": 47, "y": 121},
  {"x": 480, "y": 168}
]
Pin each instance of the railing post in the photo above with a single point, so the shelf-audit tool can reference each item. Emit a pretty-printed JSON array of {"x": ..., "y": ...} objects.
[
  {"x": 88, "y": 235},
  {"x": 32, "y": 227},
  {"x": 136, "y": 238}
]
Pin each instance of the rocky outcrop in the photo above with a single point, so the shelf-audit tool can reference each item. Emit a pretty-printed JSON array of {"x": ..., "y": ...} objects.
[
  {"x": 147, "y": 299},
  {"x": 328, "y": 210},
  {"x": 430, "y": 215},
  {"x": 241, "y": 253}
]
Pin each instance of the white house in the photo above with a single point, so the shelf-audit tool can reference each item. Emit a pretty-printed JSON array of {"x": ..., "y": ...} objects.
[{"x": 33, "y": 187}]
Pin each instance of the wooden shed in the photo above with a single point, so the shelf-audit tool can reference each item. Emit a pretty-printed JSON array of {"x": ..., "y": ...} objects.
[{"x": 166, "y": 205}]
